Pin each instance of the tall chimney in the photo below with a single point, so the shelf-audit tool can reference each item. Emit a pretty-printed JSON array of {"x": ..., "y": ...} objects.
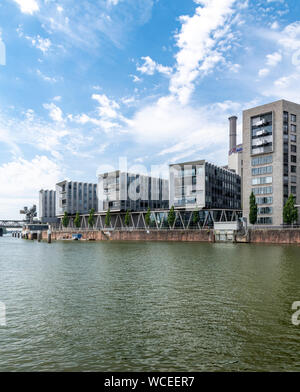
[{"x": 232, "y": 132}]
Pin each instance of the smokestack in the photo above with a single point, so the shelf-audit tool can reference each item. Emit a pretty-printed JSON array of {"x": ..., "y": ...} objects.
[{"x": 232, "y": 132}]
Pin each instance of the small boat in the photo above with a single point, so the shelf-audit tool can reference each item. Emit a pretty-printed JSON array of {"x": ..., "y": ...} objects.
[{"x": 76, "y": 237}]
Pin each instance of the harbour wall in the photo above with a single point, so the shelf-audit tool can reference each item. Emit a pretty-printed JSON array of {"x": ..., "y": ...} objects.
[
  {"x": 274, "y": 236},
  {"x": 137, "y": 235},
  {"x": 266, "y": 236}
]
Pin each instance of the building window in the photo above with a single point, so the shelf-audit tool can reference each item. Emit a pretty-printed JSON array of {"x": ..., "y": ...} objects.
[
  {"x": 293, "y": 148},
  {"x": 262, "y": 180},
  {"x": 293, "y": 190},
  {"x": 293, "y": 118},
  {"x": 262, "y": 170},
  {"x": 293, "y": 128},
  {"x": 264, "y": 200},
  {"x": 262, "y": 160},
  {"x": 293, "y": 169},
  {"x": 264, "y": 221},
  {"x": 293, "y": 138},
  {"x": 293, "y": 158},
  {"x": 262, "y": 134},
  {"x": 285, "y": 117},
  {"x": 262, "y": 190},
  {"x": 265, "y": 210},
  {"x": 294, "y": 179}
]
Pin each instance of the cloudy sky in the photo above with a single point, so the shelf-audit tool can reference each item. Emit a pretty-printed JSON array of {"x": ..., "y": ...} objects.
[{"x": 83, "y": 83}]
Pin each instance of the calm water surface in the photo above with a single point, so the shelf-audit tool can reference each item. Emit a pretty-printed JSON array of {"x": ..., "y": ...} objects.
[{"x": 147, "y": 306}]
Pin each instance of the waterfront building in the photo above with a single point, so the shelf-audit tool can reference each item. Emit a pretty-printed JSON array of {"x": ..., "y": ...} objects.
[
  {"x": 122, "y": 191},
  {"x": 202, "y": 185},
  {"x": 73, "y": 197},
  {"x": 271, "y": 158},
  {"x": 47, "y": 206}
]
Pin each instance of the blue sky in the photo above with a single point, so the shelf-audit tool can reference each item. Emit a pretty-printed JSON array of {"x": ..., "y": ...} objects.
[{"x": 86, "y": 82}]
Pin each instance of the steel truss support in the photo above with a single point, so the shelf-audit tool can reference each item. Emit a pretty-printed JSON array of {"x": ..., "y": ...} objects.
[{"x": 159, "y": 220}]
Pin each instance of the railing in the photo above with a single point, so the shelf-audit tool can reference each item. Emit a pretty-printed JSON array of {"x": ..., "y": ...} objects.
[
  {"x": 260, "y": 227},
  {"x": 84, "y": 230}
]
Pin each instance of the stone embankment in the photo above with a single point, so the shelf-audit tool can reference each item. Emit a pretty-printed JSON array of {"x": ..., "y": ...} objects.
[
  {"x": 137, "y": 235},
  {"x": 265, "y": 236}
]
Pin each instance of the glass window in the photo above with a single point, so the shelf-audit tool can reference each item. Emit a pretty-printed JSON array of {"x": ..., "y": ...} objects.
[
  {"x": 262, "y": 160},
  {"x": 262, "y": 170},
  {"x": 264, "y": 200},
  {"x": 261, "y": 180},
  {"x": 293, "y": 118},
  {"x": 265, "y": 210},
  {"x": 294, "y": 179},
  {"x": 293, "y": 138},
  {"x": 262, "y": 190},
  {"x": 293, "y": 169},
  {"x": 262, "y": 134},
  {"x": 293, "y": 148},
  {"x": 293, "y": 158},
  {"x": 264, "y": 221},
  {"x": 293, "y": 128},
  {"x": 293, "y": 190}
]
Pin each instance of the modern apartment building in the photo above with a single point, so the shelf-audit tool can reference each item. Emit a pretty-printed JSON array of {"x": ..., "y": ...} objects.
[
  {"x": 47, "y": 202},
  {"x": 201, "y": 185},
  {"x": 271, "y": 158},
  {"x": 73, "y": 197},
  {"x": 121, "y": 191}
]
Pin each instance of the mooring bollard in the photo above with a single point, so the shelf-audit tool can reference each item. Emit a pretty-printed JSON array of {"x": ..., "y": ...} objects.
[{"x": 49, "y": 236}]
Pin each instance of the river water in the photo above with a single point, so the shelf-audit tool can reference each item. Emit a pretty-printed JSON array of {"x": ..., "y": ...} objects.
[{"x": 148, "y": 306}]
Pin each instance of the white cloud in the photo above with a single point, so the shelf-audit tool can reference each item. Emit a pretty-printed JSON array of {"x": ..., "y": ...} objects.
[
  {"x": 182, "y": 131},
  {"x": 38, "y": 42},
  {"x": 150, "y": 67},
  {"x": 54, "y": 111},
  {"x": 31, "y": 130},
  {"x": 198, "y": 44},
  {"x": 28, "y": 6},
  {"x": 275, "y": 25},
  {"x": 107, "y": 107},
  {"x": 21, "y": 181},
  {"x": 273, "y": 59},
  {"x": 43, "y": 44},
  {"x": 136, "y": 79},
  {"x": 46, "y": 78},
  {"x": 263, "y": 72}
]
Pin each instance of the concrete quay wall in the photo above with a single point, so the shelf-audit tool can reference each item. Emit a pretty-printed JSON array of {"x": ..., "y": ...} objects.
[
  {"x": 266, "y": 236},
  {"x": 137, "y": 235}
]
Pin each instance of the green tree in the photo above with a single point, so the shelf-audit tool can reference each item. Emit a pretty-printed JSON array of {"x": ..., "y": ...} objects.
[
  {"x": 253, "y": 209},
  {"x": 77, "y": 222},
  {"x": 65, "y": 220},
  {"x": 91, "y": 219},
  {"x": 290, "y": 212},
  {"x": 196, "y": 217},
  {"x": 148, "y": 217},
  {"x": 171, "y": 217},
  {"x": 107, "y": 218},
  {"x": 127, "y": 218}
]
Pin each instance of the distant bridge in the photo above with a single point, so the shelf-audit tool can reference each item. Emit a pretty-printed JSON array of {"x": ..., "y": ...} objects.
[{"x": 12, "y": 224}]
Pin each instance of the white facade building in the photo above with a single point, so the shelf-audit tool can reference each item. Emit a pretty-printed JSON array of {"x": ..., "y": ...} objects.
[
  {"x": 47, "y": 206},
  {"x": 73, "y": 197},
  {"x": 122, "y": 191}
]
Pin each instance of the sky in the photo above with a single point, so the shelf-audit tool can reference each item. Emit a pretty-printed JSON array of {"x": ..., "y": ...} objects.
[{"x": 85, "y": 83}]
